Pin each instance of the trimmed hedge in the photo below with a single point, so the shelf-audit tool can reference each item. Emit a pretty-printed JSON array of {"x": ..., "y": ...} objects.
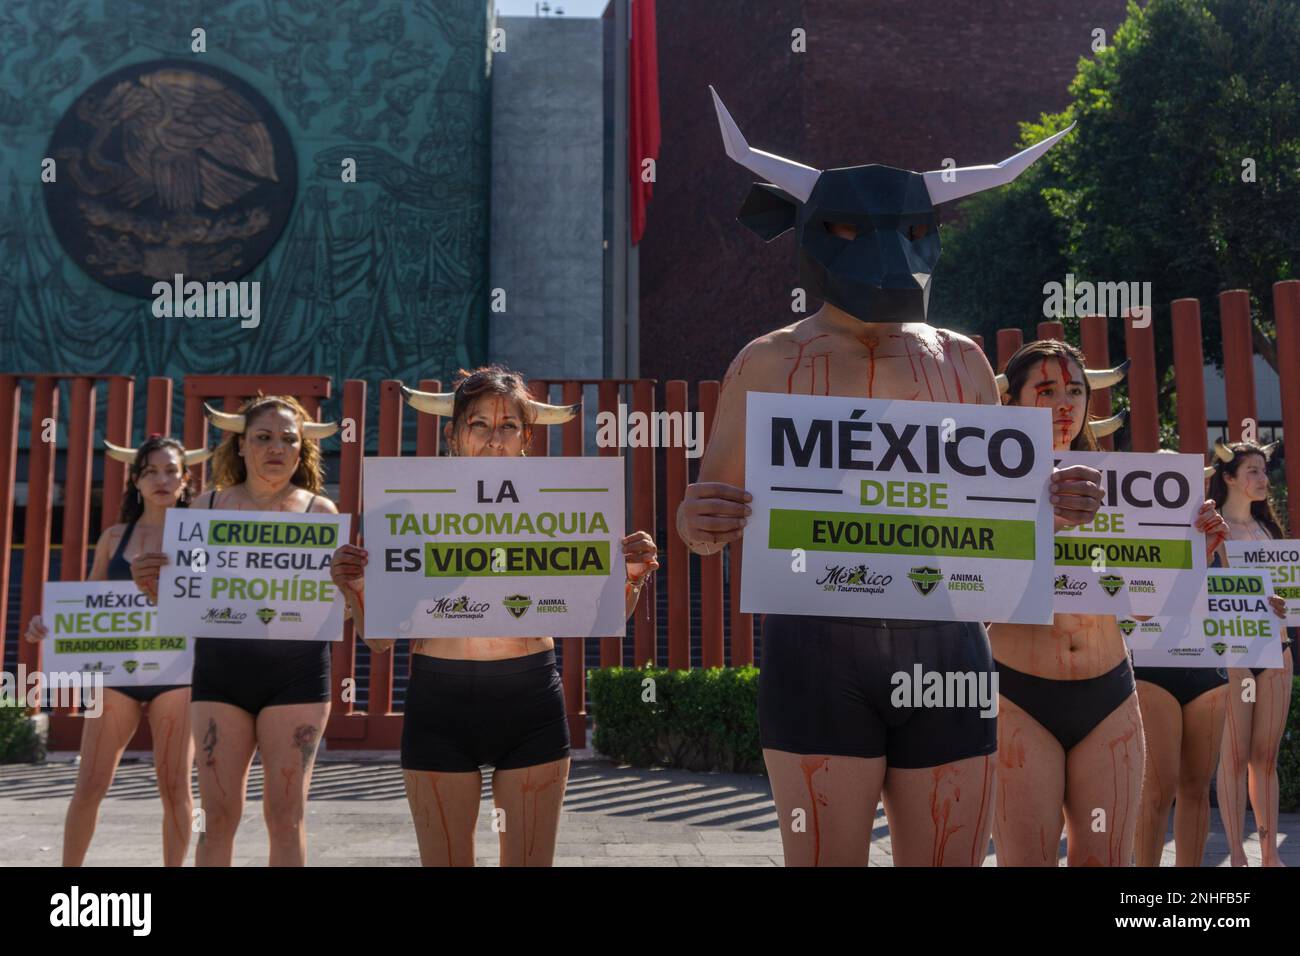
[
  {"x": 19, "y": 742},
  {"x": 704, "y": 720}
]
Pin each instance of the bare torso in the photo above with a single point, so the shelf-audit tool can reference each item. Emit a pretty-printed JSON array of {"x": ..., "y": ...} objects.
[
  {"x": 832, "y": 353},
  {"x": 1072, "y": 647}
]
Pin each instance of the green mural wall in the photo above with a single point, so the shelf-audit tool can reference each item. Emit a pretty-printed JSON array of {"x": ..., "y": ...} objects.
[{"x": 380, "y": 278}]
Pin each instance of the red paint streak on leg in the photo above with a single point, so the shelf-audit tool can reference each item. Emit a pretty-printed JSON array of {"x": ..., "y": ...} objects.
[
  {"x": 287, "y": 773},
  {"x": 1116, "y": 823},
  {"x": 442, "y": 817},
  {"x": 810, "y": 765},
  {"x": 798, "y": 360},
  {"x": 941, "y": 830},
  {"x": 535, "y": 790},
  {"x": 1042, "y": 842},
  {"x": 976, "y": 850}
]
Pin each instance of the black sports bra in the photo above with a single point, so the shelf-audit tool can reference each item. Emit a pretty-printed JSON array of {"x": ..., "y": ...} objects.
[{"x": 119, "y": 568}]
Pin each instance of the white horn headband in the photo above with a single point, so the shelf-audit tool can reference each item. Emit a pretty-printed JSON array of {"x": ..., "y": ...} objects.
[
  {"x": 1097, "y": 377},
  {"x": 234, "y": 422},
  {"x": 192, "y": 456},
  {"x": 1101, "y": 427},
  {"x": 442, "y": 403}
]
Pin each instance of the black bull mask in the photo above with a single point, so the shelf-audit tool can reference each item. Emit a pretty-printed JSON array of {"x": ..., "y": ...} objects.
[{"x": 883, "y": 273}]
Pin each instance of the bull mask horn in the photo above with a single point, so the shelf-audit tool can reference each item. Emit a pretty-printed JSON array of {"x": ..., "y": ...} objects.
[
  {"x": 1223, "y": 452},
  {"x": 1270, "y": 448},
  {"x": 795, "y": 178},
  {"x": 442, "y": 403},
  {"x": 192, "y": 456},
  {"x": 945, "y": 185},
  {"x": 1101, "y": 427},
  {"x": 235, "y": 422}
]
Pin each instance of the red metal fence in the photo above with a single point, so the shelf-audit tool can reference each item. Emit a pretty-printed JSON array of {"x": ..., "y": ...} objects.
[{"x": 379, "y": 727}]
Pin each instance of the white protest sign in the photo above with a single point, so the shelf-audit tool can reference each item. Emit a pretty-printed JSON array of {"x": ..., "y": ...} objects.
[
  {"x": 494, "y": 547},
  {"x": 251, "y": 574},
  {"x": 109, "y": 628},
  {"x": 1238, "y": 629},
  {"x": 1141, "y": 554},
  {"x": 897, "y": 509},
  {"x": 1281, "y": 559}
]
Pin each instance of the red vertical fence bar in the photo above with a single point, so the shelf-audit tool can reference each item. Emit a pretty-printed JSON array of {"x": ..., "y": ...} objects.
[
  {"x": 10, "y": 393},
  {"x": 679, "y": 567},
  {"x": 1238, "y": 360},
  {"x": 428, "y": 426},
  {"x": 1286, "y": 308},
  {"x": 40, "y": 510},
  {"x": 1009, "y": 342},
  {"x": 1189, "y": 376},
  {"x": 117, "y": 429},
  {"x": 609, "y": 397},
  {"x": 76, "y": 486},
  {"x": 712, "y": 653},
  {"x": 644, "y": 517},
  {"x": 575, "y": 648},
  {"x": 390, "y": 446},
  {"x": 158, "y": 408},
  {"x": 1144, "y": 414},
  {"x": 1051, "y": 330},
  {"x": 343, "y": 655},
  {"x": 1094, "y": 338}
]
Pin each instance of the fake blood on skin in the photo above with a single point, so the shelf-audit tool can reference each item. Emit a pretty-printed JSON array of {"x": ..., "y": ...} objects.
[
  {"x": 941, "y": 830},
  {"x": 798, "y": 359},
  {"x": 810, "y": 765}
]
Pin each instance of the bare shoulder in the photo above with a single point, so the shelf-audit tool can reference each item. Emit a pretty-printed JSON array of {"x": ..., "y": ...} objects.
[
  {"x": 111, "y": 536},
  {"x": 764, "y": 355},
  {"x": 323, "y": 506}
]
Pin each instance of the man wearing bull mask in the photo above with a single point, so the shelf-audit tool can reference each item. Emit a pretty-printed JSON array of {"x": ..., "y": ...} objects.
[{"x": 833, "y": 743}]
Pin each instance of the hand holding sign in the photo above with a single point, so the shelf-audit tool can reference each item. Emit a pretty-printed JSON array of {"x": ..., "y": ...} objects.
[
  {"x": 712, "y": 514},
  {"x": 1076, "y": 495},
  {"x": 145, "y": 570},
  {"x": 1211, "y": 523}
]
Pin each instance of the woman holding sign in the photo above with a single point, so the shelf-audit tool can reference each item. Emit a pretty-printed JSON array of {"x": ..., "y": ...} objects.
[
  {"x": 250, "y": 695},
  {"x": 1255, "y": 721},
  {"x": 1070, "y": 743},
  {"x": 159, "y": 478},
  {"x": 478, "y": 701}
]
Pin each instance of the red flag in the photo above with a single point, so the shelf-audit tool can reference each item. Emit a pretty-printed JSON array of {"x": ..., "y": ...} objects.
[{"x": 643, "y": 108}]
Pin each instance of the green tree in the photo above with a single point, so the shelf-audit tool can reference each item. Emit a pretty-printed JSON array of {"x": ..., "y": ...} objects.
[{"x": 1188, "y": 100}]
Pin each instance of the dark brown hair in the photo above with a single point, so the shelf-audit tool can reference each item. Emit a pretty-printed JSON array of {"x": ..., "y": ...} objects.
[
  {"x": 1261, "y": 511},
  {"x": 132, "y": 502},
  {"x": 228, "y": 468},
  {"x": 470, "y": 386},
  {"x": 1023, "y": 363}
]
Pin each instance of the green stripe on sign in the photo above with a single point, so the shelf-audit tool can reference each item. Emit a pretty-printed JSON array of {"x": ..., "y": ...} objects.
[
  {"x": 1154, "y": 553},
  {"x": 901, "y": 534}
]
